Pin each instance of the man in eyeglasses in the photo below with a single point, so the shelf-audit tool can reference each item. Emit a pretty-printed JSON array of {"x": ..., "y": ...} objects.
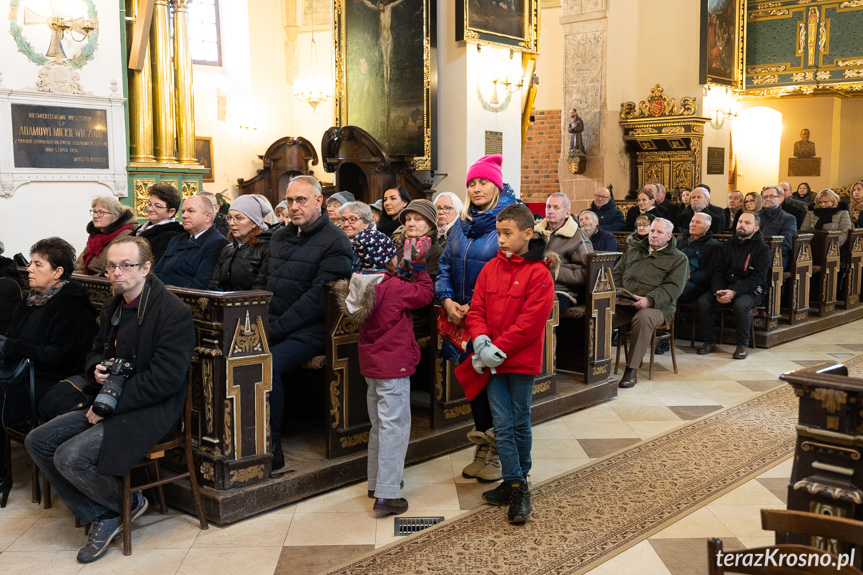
[
  {"x": 83, "y": 454},
  {"x": 610, "y": 217},
  {"x": 304, "y": 255},
  {"x": 190, "y": 257},
  {"x": 162, "y": 208},
  {"x": 775, "y": 221}
]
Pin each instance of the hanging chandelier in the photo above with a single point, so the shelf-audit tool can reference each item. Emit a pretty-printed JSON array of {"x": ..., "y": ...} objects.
[{"x": 314, "y": 90}]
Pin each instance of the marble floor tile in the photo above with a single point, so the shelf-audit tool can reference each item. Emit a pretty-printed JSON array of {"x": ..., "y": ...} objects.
[
  {"x": 544, "y": 469},
  {"x": 742, "y": 520},
  {"x": 691, "y": 412},
  {"x": 353, "y": 528},
  {"x": 777, "y": 486},
  {"x": 351, "y": 498},
  {"x": 141, "y": 561},
  {"x": 41, "y": 562},
  {"x": 557, "y": 449},
  {"x": 317, "y": 558},
  {"x": 470, "y": 494},
  {"x": 435, "y": 471},
  {"x": 268, "y": 530},
  {"x": 750, "y": 493},
  {"x": 230, "y": 561},
  {"x": 781, "y": 470},
  {"x": 556, "y": 429},
  {"x": 173, "y": 531},
  {"x": 648, "y": 429},
  {"x": 50, "y": 534},
  {"x": 601, "y": 430},
  {"x": 699, "y": 523},
  {"x": 688, "y": 556},
  {"x": 641, "y": 559},
  {"x": 643, "y": 412},
  {"x": 429, "y": 496},
  {"x": 596, "y": 448}
]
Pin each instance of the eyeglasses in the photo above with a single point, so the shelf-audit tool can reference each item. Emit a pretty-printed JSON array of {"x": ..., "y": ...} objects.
[
  {"x": 599, "y": 197},
  {"x": 349, "y": 220},
  {"x": 444, "y": 209},
  {"x": 768, "y": 196},
  {"x": 157, "y": 206},
  {"x": 238, "y": 219},
  {"x": 301, "y": 200},
  {"x": 111, "y": 268},
  {"x": 99, "y": 213}
]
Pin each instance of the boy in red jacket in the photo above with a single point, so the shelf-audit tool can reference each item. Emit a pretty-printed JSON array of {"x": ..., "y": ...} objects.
[
  {"x": 381, "y": 302},
  {"x": 513, "y": 297}
]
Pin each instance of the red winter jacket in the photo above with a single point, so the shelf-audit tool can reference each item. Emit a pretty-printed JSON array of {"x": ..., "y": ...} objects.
[
  {"x": 387, "y": 347},
  {"x": 511, "y": 304}
]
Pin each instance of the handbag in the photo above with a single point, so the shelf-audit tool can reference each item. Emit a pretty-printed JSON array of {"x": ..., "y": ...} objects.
[
  {"x": 455, "y": 334},
  {"x": 18, "y": 374},
  {"x": 64, "y": 396}
]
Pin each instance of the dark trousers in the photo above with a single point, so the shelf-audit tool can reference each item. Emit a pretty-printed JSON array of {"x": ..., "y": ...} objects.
[
  {"x": 706, "y": 308},
  {"x": 288, "y": 355}
]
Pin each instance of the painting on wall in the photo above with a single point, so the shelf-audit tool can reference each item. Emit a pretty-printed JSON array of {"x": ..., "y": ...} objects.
[
  {"x": 204, "y": 154},
  {"x": 723, "y": 30},
  {"x": 383, "y": 75},
  {"x": 511, "y": 23}
]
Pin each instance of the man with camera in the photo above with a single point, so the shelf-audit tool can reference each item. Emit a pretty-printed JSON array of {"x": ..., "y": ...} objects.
[{"x": 139, "y": 365}]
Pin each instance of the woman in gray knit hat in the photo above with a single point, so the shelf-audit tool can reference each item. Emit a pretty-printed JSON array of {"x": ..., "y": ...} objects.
[{"x": 249, "y": 250}]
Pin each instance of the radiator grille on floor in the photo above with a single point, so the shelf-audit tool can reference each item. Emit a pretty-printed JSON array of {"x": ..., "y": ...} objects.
[{"x": 408, "y": 525}]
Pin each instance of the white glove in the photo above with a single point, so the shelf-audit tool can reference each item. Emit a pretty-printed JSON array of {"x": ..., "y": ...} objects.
[
  {"x": 477, "y": 364},
  {"x": 491, "y": 355},
  {"x": 480, "y": 342}
]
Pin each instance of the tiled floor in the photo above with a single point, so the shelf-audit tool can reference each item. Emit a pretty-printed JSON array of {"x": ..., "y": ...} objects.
[{"x": 333, "y": 528}]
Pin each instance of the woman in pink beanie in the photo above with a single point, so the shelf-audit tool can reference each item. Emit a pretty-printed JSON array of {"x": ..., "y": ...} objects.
[{"x": 472, "y": 242}]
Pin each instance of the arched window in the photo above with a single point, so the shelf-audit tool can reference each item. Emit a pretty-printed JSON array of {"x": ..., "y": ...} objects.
[{"x": 204, "y": 40}]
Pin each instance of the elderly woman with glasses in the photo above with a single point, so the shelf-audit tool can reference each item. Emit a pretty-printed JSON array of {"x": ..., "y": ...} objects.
[
  {"x": 111, "y": 220},
  {"x": 828, "y": 214},
  {"x": 241, "y": 261},
  {"x": 162, "y": 208},
  {"x": 448, "y": 206},
  {"x": 354, "y": 219}
]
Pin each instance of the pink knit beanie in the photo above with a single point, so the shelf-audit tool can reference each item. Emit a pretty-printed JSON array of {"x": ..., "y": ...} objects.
[{"x": 487, "y": 167}]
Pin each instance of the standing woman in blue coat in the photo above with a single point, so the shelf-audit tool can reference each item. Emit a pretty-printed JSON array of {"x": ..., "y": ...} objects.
[{"x": 472, "y": 242}]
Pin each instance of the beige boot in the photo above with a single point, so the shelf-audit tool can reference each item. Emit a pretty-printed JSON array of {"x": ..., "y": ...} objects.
[
  {"x": 480, "y": 454},
  {"x": 491, "y": 472}
]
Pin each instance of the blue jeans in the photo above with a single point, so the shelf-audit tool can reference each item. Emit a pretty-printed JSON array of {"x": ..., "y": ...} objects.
[
  {"x": 66, "y": 449},
  {"x": 288, "y": 355},
  {"x": 509, "y": 395},
  {"x": 389, "y": 403}
]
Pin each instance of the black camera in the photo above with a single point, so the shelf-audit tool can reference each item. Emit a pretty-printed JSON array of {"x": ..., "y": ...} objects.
[{"x": 118, "y": 371}]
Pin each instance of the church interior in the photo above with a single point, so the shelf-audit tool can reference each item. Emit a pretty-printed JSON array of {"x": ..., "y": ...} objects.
[{"x": 235, "y": 97}]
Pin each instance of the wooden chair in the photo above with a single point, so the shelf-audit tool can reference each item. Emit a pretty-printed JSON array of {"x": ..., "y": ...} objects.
[
  {"x": 19, "y": 433},
  {"x": 784, "y": 522},
  {"x": 183, "y": 437},
  {"x": 660, "y": 332}
]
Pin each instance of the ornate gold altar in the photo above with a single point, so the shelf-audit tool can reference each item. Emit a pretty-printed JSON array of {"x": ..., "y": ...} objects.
[{"x": 663, "y": 141}]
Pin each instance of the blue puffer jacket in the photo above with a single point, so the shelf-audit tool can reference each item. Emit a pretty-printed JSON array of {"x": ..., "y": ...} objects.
[{"x": 470, "y": 245}]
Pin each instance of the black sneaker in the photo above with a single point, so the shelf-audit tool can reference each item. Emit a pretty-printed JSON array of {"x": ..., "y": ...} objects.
[
  {"x": 139, "y": 505},
  {"x": 500, "y": 495},
  {"x": 100, "y": 536},
  {"x": 394, "y": 506},
  {"x": 519, "y": 505},
  {"x": 662, "y": 347}
]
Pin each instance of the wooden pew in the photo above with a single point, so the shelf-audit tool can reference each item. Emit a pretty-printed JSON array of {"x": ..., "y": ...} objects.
[
  {"x": 852, "y": 260},
  {"x": 825, "y": 279},
  {"x": 769, "y": 310},
  {"x": 799, "y": 273},
  {"x": 449, "y": 406},
  {"x": 584, "y": 338}
]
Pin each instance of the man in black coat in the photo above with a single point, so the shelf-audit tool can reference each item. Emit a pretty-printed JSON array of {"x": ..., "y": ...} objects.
[
  {"x": 699, "y": 201},
  {"x": 735, "y": 204},
  {"x": 162, "y": 208},
  {"x": 739, "y": 277},
  {"x": 776, "y": 222},
  {"x": 791, "y": 205},
  {"x": 84, "y": 454},
  {"x": 700, "y": 247},
  {"x": 610, "y": 218},
  {"x": 190, "y": 257},
  {"x": 304, "y": 255}
]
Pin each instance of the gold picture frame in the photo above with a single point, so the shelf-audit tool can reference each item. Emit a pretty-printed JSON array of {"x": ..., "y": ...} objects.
[
  {"x": 204, "y": 154},
  {"x": 513, "y": 24},
  {"x": 390, "y": 98},
  {"x": 723, "y": 43}
]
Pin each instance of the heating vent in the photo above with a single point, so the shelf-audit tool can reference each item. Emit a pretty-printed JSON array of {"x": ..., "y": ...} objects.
[{"x": 408, "y": 525}]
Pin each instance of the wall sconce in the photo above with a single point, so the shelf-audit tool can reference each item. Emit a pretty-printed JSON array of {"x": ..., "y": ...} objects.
[
  {"x": 720, "y": 104},
  {"x": 508, "y": 85}
]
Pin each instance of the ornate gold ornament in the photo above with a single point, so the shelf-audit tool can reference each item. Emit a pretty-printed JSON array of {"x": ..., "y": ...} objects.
[
  {"x": 766, "y": 69},
  {"x": 248, "y": 338},
  {"x": 247, "y": 474},
  {"x": 846, "y": 63},
  {"x": 769, "y": 79},
  {"x": 657, "y": 105},
  {"x": 858, "y": 73},
  {"x": 831, "y": 399},
  {"x": 355, "y": 439},
  {"x": 803, "y": 77},
  {"x": 762, "y": 14},
  {"x": 335, "y": 384},
  {"x": 454, "y": 412},
  {"x": 140, "y": 187}
]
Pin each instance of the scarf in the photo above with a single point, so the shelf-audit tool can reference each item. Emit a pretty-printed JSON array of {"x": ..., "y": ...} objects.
[
  {"x": 855, "y": 209},
  {"x": 825, "y": 216},
  {"x": 97, "y": 242},
  {"x": 40, "y": 299}
]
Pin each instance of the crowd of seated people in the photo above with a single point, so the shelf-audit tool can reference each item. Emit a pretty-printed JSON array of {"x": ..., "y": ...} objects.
[{"x": 310, "y": 247}]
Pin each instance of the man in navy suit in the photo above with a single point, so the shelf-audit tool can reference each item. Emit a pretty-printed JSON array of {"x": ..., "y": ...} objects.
[{"x": 190, "y": 257}]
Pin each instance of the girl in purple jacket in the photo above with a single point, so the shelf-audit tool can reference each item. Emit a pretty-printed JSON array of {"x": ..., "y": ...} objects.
[{"x": 381, "y": 300}]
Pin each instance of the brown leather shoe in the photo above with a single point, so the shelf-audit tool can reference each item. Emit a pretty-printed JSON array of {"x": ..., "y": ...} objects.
[
  {"x": 629, "y": 379},
  {"x": 740, "y": 352},
  {"x": 706, "y": 348}
]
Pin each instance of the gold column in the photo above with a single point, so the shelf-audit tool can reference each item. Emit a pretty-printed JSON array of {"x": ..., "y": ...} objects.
[
  {"x": 140, "y": 105},
  {"x": 184, "y": 97},
  {"x": 163, "y": 85}
]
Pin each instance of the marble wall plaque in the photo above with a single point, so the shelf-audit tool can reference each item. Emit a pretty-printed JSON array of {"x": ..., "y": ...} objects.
[{"x": 59, "y": 137}]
